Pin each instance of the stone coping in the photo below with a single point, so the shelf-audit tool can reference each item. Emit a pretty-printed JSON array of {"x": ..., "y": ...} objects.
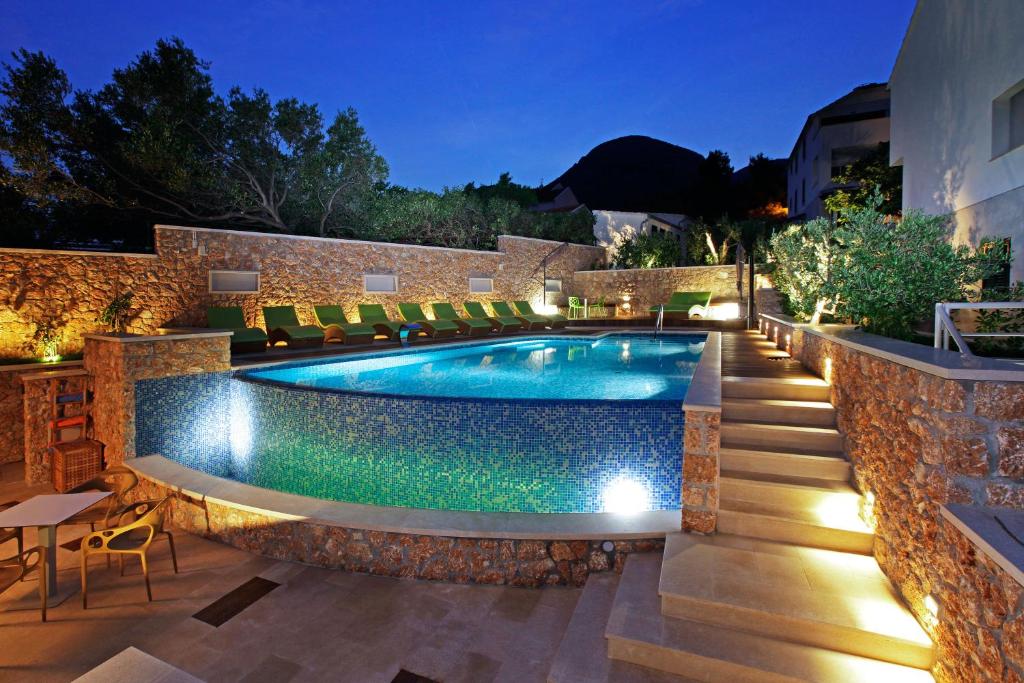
[
  {"x": 135, "y": 338},
  {"x": 990, "y": 529},
  {"x": 54, "y": 374},
  {"x": 938, "y": 362},
  {"x": 60, "y": 365},
  {"x": 644, "y": 270},
  {"x": 705, "y": 392},
  {"x": 77, "y": 252},
  {"x": 424, "y": 522}
]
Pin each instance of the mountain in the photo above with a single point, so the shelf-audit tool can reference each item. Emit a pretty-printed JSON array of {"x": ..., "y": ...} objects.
[
  {"x": 639, "y": 173},
  {"x": 632, "y": 173}
]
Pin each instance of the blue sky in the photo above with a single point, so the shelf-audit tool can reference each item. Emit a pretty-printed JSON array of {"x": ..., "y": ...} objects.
[{"x": 451, "y": 92}]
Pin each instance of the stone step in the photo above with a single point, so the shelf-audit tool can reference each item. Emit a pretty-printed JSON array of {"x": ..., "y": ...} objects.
[
  {"x": 582, "y": 656},
  {"x": 786, "y": 388},
  {"x": 757, "y": 435},
  {"x": 827, "y": 599},
  {"x": 637, "y": 632},
  {"x": 834, "y": 528},
  {"x": 780, "y": 411},
  {"x": 789, "y": 464},
  {"x": 777, "y": 489}
]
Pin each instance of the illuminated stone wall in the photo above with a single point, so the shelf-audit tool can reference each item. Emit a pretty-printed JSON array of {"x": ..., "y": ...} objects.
[
  {"x": 916, "y": 442},
  {"x": 68, "y": 290},
  {"x": 652, "y": 286},
  {"x": 701, "y": 469}
]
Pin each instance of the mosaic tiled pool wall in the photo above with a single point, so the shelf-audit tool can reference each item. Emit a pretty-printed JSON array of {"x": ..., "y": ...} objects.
[{"x": 453, "y": 454}]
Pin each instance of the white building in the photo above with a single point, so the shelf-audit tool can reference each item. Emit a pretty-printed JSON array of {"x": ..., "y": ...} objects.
[
  {"x": 833, "y": 137},
  {"x": 612, "y": 228},
  {"x": 958, "y": 118}
]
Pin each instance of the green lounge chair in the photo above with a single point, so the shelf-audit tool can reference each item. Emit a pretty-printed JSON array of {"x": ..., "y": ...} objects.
[
  {"x": 682, "y": 302},
  {"x": 337, "y": 328},
  {"x": 500, "y": 323},
  {"x": 530, "y": 322},
  {"x": 556, "y": 321},
  {"x": 471, "y": 327},
  {"x": 244, "y": 339},
  {"x": 374, "y": 314},
  {"x": 436, "y": 329},
  {"x": 283, "y": 326}
]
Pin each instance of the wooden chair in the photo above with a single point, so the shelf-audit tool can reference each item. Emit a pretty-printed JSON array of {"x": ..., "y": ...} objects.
[
  {"x": 119, "y": 480},
  {"x": 129, "y": 539},
  {"x": 12, "y": 533},
  {"x": 15, "y": 569}
]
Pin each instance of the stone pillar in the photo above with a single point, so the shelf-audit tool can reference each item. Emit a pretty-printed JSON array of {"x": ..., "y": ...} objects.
[
  {"x": 116, "y": 362},
  {"x": 701, "y": 471}
]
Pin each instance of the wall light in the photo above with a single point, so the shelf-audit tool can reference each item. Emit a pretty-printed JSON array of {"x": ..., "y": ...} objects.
[
  {"x": 828, "y": 370},
  {"x": 931, "y": 606}
]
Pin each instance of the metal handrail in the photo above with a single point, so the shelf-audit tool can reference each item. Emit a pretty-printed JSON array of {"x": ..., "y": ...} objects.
[
  {"x": 659, "y": 322},
  {"x": 945, "y": 328}
]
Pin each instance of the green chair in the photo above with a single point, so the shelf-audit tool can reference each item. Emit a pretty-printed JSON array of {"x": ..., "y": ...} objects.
[
  {"x": 471, "y": 327},
  {"x": 576, "y": 307},
  {"x": 336, "y": 326},
  {"x": 597, "y": 308},
  {"x": 374, "y": 314},
  {"x": 680, "y": 303},
  {"x": 499, "y": 323},
  {"x": 283, "y": 326},
  {"x": 435, "y": 329},
  {"x": 530, "y": 322},
  {"x": 244, "y": 339},
  {"x": 556, "y": 321}
]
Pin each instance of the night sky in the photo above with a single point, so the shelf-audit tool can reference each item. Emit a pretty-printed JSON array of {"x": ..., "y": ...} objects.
[{"x": 452, "y": 92}]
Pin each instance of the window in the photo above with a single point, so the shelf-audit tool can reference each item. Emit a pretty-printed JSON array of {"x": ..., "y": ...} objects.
[
  {"x": 803, "y": 191},
  {"x": 481, "y": 285},
  {"x": 1001, "y": 280},
  {"x": 845, "y": 156},
  {"x": 381, "y": 284},
  {"x": 1008, "y": 120},
  {"x": 234, "y": 282},
  {"x": 552, "y": 286}
]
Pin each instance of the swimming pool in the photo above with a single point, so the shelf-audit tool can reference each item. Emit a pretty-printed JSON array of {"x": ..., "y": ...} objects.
[{"x": 556, "y": 424}]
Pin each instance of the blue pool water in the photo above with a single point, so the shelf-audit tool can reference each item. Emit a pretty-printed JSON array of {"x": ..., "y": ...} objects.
[
  {"x": 566, "y": 424},
  {"x": 615, "y": 367}
]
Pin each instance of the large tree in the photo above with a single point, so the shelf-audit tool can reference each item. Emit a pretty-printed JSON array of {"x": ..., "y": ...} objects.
[{"x": 159, "y": 140}]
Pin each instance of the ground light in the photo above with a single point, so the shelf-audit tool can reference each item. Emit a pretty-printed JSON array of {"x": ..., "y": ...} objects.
[{"x": 626, "y": 496}]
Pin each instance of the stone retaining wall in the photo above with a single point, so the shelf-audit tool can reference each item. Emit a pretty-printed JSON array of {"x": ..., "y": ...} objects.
[
  {"x": 530, "y": 563},
  {"x": 652, "y": 286},
  {"x": 701, "y": 471},
  {"x": 918, "y": 441},
  {"x": 67, "y": 290}
]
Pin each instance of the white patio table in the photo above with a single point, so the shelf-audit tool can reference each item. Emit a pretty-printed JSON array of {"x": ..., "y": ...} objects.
[{"x": 45, "y": 513}]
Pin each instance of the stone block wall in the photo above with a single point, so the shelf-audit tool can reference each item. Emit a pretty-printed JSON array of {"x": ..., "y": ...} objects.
[
  {"x": 529, "y": 563},
  {"x": 701, "y": 468},
  {"x": 67, "y": 290},
  {"x": 918, "y": 441},
  {"x": 116, "y": 363},
  {"x": 652, "y": 286}
]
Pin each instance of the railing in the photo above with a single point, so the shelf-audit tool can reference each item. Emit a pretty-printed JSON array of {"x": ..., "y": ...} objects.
[
  {"x": 945, "y": 328},
  {"x": 659, "y": 322}
]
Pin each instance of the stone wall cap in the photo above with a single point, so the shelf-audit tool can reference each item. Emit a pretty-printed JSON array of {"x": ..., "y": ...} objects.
[
  {"x": 705, "y": 391},
  {"x": 76, "y": 252},
  {"x": 135, "y": 338},
  {"x": 727, "y": 267},
  {"x": 41, "y": 367},
  {"x": 990, "y": 530},
  {"x": 54, "y": 374},
  {"x": 938, "y": 362},
  {"x": 415, "y": 521}
]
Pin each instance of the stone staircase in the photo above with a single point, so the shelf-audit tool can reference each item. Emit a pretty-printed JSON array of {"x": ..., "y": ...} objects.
[{"x": 786, "y": 591}]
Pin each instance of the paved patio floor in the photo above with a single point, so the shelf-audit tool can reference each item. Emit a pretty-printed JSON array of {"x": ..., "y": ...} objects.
[{"x": 318, "y": 625}]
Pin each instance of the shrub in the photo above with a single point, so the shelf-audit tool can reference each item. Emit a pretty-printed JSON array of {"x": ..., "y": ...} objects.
[
  {"x": 880, "y": 273},
  {"x": 648, "y": 251}
]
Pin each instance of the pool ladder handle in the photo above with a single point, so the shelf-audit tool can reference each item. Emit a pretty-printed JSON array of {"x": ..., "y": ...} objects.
[{"x": 659, "y": 322}]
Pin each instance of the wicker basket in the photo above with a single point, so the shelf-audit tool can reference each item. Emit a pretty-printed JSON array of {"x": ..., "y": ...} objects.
[{"x": 75, "y": 462}]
